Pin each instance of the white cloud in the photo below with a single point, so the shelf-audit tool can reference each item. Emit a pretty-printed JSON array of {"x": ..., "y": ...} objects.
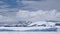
[
  {"x": 6, "y": 19},
  {"x": 38, "y": 15}
]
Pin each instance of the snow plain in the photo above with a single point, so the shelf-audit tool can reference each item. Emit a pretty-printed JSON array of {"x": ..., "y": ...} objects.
[{"x": 29, "y": 32}]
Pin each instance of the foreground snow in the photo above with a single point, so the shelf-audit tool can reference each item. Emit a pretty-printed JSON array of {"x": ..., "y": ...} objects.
[
  {"x": 29, "y": 32},
  {"x": 29, "y": 29},
  {"x": 34, "y": 27}
]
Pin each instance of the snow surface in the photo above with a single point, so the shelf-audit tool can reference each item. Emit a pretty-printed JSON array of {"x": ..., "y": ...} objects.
[
  {"x": 49, "y": 25},
  {"x": 29, "y": 32},
  {"x": 43, "y": 23}
]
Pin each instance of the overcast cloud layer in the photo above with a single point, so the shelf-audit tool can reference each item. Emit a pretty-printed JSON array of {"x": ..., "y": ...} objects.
[{"x": 32, "y": 10}]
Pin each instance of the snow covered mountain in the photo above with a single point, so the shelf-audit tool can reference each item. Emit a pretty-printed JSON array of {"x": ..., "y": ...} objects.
[{"x": 28, "y": 24}]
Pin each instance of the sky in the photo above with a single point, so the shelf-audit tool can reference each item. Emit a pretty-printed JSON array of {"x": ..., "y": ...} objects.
[{"x": 29, "y": 10}]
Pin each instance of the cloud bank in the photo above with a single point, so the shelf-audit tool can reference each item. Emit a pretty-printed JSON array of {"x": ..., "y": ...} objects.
[
  {"x": 43, "y": 10},
  {"x": 6, "y": 19},
  {"x": 39, "y": 15}
]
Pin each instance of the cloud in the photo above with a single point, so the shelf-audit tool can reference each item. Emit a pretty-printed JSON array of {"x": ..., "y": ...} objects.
[
  {"x": 6, "y": 19},
  {"x": 43, "y": 5},
  {"x": 43, "y": 10},
  {"x": 10, "y": 12},
  {"x": 7, "y": 14},
  {"x": 32, "y": 5},
  {"x": 25, "y": 15},
  {"x": 9, "y": 3},
  {"x": 31, "y": 0},
  {"x": 39, "y": 15},
  {"x": 1, "y": 2},
  {"x": 4, "y": 6}
]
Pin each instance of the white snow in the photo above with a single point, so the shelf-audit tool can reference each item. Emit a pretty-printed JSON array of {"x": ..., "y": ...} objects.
[
  {"x": 29, "y": 32},
  {"x": 23, "y": 28},
  {"x": 43, "y": 22}
]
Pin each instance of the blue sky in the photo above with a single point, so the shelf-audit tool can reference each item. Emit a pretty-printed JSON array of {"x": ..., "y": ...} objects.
[
  {"x": 9, "y": 3},
  {"x": 10, "y": 8}
]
